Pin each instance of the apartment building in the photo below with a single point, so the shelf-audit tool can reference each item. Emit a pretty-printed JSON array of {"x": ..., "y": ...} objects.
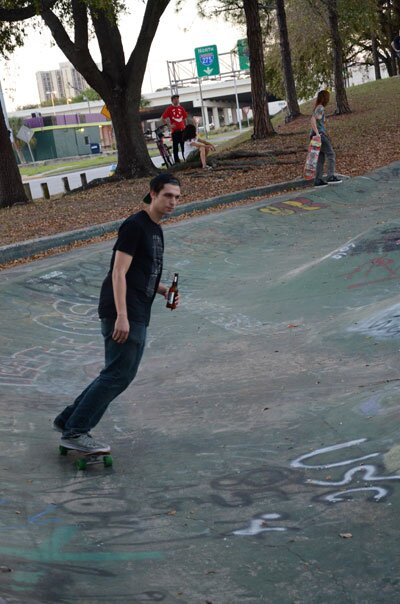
[{"x": 62, "y": 83}]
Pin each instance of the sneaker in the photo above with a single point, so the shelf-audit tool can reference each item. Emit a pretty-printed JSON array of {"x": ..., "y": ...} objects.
[
  {"x": 320, "y": 183},
  {"x": 85, "y": 443},
  {"x": 57, "y": 425},
  {"x": 333, "y": 180},
  {"x": 207, "y": 167}
]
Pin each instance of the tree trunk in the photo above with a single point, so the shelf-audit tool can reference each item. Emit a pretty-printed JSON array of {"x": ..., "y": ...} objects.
[
  {"x": 286, "y": 57},
  {"x": 262, "y": 121},
  {"x": 393, "y": 59},
  {"x": 118, "y": 84},
  {"x": 375, "y": 56},
  {"x": 133, "y": 157},
  {"x": 342, "y": 104},
  {"x": 11, "y": 187}
]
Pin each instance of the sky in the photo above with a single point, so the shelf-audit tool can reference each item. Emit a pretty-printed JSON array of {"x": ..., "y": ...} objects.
[{"x": 177, "y": 36}]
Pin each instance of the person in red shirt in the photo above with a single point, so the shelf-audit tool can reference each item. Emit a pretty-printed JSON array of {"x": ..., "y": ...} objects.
[{"x": 177, "y": 118}]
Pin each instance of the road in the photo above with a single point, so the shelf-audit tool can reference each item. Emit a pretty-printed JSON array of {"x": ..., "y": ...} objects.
[
  {"x": 256, "y": 455},
  {"x": 56, "y": 185}
]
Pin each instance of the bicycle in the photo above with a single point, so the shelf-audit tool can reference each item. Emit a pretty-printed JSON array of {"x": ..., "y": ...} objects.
[{"x": 163, "y": 148}]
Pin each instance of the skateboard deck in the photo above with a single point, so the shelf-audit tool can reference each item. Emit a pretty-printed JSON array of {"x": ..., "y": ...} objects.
[
  {"x": 310, "y": 167},
  {"x": 86, "y": 459}
]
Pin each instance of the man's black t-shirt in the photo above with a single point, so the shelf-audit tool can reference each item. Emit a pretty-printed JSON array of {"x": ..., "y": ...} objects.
[
  {"x": 142, "y": 239},
  {"x": 396, "y": 43}
]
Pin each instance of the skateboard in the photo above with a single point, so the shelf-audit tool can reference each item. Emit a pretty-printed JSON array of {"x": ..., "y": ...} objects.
[
  {"x": 86, "y": 459},
  {"x": 310, "y": 167}
]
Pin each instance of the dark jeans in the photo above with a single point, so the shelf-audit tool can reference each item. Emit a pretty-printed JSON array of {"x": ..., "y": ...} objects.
[
  {"x": 121, "y": 365},
  {"x": 328, "y": 153},
  {"x": 177, "y": 140}
]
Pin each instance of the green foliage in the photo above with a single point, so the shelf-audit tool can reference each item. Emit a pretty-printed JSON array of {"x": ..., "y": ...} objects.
[
  {"x": 11, "y": 36},
  {"x": 87, "y": 95},
  {"x": 15, "y": 124},
  {"x": 309, "y": 35}
]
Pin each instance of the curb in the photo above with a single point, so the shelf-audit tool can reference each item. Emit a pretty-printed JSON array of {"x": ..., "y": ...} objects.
[{"x": 16, "y": 251}]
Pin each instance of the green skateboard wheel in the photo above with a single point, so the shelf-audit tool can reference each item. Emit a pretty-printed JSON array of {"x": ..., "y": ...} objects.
[
  {"x": 81, "y": 464},
  {"x": 107, "y": 460}
]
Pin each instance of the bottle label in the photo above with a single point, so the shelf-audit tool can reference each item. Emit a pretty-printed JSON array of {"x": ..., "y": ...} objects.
[{"x": 171, "y": 298}]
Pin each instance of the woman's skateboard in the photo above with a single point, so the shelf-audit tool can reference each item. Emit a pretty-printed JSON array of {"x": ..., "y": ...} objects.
[
  {"x": 88, "y": 459},
  {"x": 314, "y": 149}
]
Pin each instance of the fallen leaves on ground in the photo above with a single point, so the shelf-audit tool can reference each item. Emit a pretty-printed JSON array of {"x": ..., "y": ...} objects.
[{"x": 363, "y": 140}]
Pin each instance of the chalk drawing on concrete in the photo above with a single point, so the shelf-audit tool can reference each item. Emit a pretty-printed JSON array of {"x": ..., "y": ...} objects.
[
  {"x": 71, "y": 318},
  {"x": 25, "y": 367},
  {"x": 79, "y": 282},
  {"x": 223, "y": 316}
]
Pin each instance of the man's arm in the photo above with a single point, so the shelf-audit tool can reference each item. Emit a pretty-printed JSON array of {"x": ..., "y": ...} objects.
[
  {"x": 121, "y": 266},
  {"x": 165, "y": 117}
]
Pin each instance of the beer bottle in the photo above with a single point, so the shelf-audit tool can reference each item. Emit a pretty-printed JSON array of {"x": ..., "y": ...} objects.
[{"x": 172, "y": 292}]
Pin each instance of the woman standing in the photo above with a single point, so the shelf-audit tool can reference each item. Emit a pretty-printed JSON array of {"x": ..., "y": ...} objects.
[{"x": 319, "y": 129}]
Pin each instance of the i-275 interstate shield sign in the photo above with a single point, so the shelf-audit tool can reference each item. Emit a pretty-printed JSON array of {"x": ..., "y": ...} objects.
[{"x": 207, "y": 62}]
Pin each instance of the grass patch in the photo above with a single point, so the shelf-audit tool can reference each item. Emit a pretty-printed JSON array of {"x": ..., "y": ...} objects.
[{"x": 52, "y": 169}]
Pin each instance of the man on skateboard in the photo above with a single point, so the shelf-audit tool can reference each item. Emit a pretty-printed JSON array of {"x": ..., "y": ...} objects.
[
  {"x": 126, "y": 297},
  {"x": 177, "y": 116}
]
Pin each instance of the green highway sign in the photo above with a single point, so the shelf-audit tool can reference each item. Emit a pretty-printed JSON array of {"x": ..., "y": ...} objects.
[
  {"x": 243, "y": 54},
  {"x": 207, "y": 61}
]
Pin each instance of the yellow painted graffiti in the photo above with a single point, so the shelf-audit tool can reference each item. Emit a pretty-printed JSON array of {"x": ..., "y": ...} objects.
[
  {"x": 276, "y": 211},
  {"x": 299, "y": 204},
  {"x": 291, "y": 206}
]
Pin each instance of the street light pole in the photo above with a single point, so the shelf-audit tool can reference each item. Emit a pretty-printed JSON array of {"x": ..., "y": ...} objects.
[
  {"x": 85, "y": 98},
  {"x": 51, "y": 92}
]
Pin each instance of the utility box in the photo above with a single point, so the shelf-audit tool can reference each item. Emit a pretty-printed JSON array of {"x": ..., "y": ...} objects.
[{"x": 94, "y": 148}]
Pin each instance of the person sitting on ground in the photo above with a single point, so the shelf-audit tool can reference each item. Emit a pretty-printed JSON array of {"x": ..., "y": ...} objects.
[
  {"x": 318, "y": 128},
  {"x": 195, "y": 147}
]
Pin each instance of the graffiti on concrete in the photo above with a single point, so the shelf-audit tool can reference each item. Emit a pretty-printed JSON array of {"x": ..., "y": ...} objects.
[
  {"x": 386, "y": 241},
  {"x": 120, "y": 528},
  {"x": 369, "y": 473},
  {"x": 344, "y": 251},
  {"x": 292, "y": 206},
  {"x": 373, "y": 271},
  {"x": 381, "y": 325},
  {"x": 263, "y": 524}
]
